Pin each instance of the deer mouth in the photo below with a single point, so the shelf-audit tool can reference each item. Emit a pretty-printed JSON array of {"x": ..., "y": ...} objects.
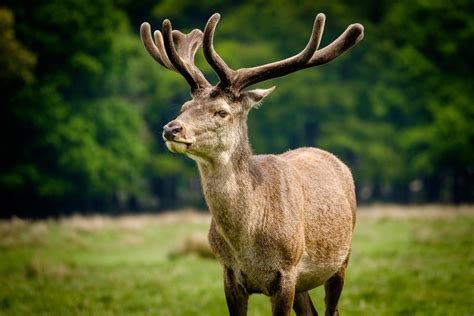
[{"x": 178, "y": 146}]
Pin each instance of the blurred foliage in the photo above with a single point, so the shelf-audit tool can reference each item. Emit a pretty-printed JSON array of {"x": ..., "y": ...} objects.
[
  {"x": 16, "y": 62},
  {"x": 83, "y": 104}
]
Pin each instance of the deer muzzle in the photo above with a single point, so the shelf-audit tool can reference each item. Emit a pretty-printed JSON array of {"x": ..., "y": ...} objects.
[
  {"x": 172, "y": 131},
  {"x": 174, "y": 135}
]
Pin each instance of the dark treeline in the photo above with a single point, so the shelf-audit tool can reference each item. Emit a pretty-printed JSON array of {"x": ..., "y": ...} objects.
[{"x": 83, "y": 105}]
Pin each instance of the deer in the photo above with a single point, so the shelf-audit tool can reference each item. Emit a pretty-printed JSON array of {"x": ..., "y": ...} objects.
[{"x": 281, "y": 224}]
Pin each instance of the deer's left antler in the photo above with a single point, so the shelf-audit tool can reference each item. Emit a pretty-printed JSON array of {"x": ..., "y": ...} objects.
[{"x": 236, "y": 80}]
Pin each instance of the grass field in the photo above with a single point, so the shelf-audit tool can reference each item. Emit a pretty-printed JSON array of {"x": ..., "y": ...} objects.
[{"x": 405, "y": 261}]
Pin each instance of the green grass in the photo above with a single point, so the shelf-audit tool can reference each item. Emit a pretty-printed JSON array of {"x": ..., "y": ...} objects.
[{"x": 404, "y": 262}]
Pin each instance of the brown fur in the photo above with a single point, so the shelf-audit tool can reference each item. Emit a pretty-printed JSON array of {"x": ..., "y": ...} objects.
[{"x": 282, "y": 224}]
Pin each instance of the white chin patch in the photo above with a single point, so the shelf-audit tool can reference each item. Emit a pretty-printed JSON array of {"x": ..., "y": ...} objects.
[{"x": 178, "y": 148}]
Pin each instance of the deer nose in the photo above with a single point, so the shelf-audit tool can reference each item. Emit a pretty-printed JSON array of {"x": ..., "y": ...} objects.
[{"x": 172, "y": 130}]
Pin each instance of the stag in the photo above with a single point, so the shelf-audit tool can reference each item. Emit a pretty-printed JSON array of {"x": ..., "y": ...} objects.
[{"x": 281, "y": 224}]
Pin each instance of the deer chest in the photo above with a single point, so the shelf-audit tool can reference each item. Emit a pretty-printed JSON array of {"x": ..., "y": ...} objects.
[{"x": 255, "y": 258}]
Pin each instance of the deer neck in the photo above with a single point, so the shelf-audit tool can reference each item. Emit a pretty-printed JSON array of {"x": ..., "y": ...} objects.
[
  {"x": 227, "y": 184},
  {"x": 229, "y": 170}
]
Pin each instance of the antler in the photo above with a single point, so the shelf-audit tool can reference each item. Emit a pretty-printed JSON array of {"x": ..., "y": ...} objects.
[
  {"x": 224, "y": 72},
  {"x": 175, "y": 51},
  {"x": 236, "y": 80}
]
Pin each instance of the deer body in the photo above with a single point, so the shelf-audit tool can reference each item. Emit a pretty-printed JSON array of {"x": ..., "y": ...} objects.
[
  {"x": 281, "y": 213},
  {"x": 281, "y": 224}
]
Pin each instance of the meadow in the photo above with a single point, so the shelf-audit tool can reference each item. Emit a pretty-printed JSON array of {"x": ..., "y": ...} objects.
[{"x": 405, "y": 261}]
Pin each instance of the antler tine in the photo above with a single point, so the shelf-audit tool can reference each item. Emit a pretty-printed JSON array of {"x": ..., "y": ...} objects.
[
  {"x": 182, "y": 57},
  {"x": 249, "y": 76},
  {"x": 217, "y": 63},
  {"x": 187, "y": 45},
  {"x": 153, "y": 50},
  {"x": 318, "y": 29},
  {"x": 174, "y": 57},
  {"x": 351, "y": 36},
  {"x": 313, "y": 43},
  {"x": 161, "y": 48}
]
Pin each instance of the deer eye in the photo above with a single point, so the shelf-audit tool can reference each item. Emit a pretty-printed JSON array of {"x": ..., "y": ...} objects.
[{"x": 222, "y": 113}]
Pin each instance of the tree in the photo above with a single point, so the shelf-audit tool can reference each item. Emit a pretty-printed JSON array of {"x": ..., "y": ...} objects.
[
  {"x": 83, "y": 105},
  {"x": 76, "y": 142}
]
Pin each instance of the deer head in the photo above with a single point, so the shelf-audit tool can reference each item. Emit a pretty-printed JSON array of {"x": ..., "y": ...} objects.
[{"x": 212, "y": 124}]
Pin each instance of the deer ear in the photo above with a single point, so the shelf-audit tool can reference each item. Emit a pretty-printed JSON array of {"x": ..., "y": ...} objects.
[{"x": 253, "y": 98}]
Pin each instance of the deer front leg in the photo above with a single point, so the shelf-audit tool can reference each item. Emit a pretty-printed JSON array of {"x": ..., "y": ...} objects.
[
  {"x": 284, "y": 292},
  {"x": 236, "y": 296},
  {"x": 303, "y": 306}
]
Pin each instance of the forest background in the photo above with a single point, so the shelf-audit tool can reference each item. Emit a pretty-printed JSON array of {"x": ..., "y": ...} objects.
[{"x": 83, "y": 104}]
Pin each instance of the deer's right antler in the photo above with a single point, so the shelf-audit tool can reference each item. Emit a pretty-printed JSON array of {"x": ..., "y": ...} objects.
[{"x": 175, "y": 51}]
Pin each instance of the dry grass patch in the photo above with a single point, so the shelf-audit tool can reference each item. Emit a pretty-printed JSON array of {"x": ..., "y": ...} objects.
[
  {"x": 196, "y": 244},
  {"x": 379, "y": 211},
  {"x": 133, "y": 222}
]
